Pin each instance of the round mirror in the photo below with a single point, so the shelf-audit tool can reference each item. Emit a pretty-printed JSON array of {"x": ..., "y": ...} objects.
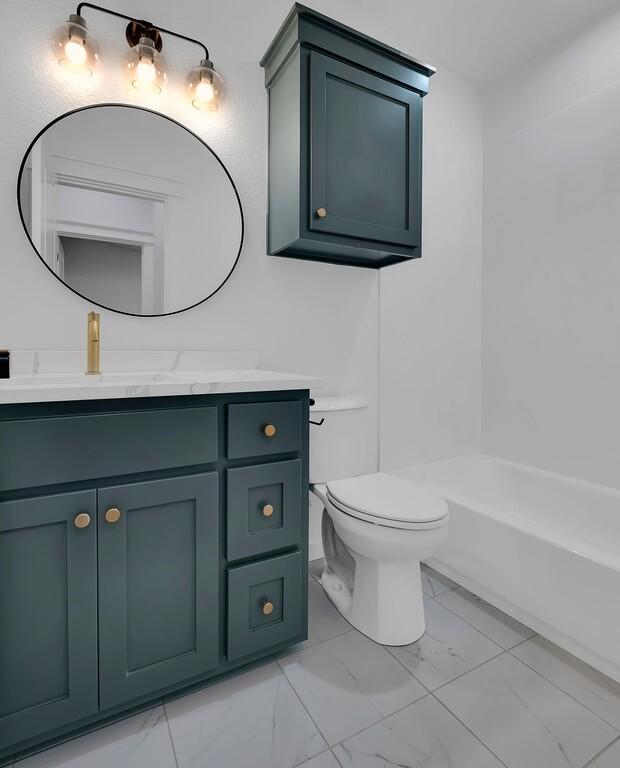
[{"x": 130, "y": 210}]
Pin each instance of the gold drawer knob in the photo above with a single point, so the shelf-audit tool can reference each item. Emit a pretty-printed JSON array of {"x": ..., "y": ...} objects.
[
  {"x": 267, "y": 608},
  {"x": 321, "y": 213},
  {"x": 269, "y": 430},
  {"x": 112, "y": 515},
  {"x": 267, "y": 510},
  {"x": 82, "y": 520}
]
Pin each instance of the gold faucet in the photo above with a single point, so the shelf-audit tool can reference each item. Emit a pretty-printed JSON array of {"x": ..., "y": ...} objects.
[{"x": 92, "y": 344}]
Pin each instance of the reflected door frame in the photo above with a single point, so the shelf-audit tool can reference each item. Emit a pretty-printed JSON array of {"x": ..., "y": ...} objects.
[{"x": 57, "y": 171}]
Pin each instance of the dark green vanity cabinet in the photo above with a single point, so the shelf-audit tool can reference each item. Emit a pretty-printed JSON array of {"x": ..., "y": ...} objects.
[
  {"x": 345, "y": 144},
  {"x": 169, "y": 546}
]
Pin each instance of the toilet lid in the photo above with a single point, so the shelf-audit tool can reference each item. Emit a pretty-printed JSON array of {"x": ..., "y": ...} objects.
[{"x": 388, "y": 497}]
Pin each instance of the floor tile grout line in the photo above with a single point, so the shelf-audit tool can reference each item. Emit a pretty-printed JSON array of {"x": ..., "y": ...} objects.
[
  {"x": 602, "y": 752},
  {"x": 510, "y": 651},
  {"x": 462, "y": 674},
  {"x": 174, "y": 749},
  {"x": 400, "y": 709},
  {"x": 469, "y": 624},
  {"x": 426, "y": 688},
  {"x": 301, "y": 701},
  {"x": 566, "y": 693},
  {"x": 329, "y": 750},
  {"x": 443, "y": 685},
  {"x": 286, "y": 654},
  {"x": 469, "y": 730},
  {"x": 432, "y": 690},
  {"x": 369, "y": 725}
]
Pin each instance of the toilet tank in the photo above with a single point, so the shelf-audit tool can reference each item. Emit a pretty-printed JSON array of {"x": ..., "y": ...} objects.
[{"x": 339, "y": 446}]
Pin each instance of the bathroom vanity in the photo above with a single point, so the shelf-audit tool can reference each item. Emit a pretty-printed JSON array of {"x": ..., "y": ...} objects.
[{"x": 147, "y": 543}]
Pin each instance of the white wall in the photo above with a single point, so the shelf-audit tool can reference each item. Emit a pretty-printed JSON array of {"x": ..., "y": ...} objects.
[
  {"x": 430, "y": 309},
  {"x": 551, "y": 352}
]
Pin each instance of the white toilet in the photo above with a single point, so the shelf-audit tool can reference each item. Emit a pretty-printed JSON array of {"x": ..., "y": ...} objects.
[{"x": 376, "y": 528}]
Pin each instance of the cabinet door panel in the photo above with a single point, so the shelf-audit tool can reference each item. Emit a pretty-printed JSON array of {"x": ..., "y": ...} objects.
[
  {"x": 48, "y": 614},
  {"x": 158, "y": 585},
  {"x": 365, "y": 154}
]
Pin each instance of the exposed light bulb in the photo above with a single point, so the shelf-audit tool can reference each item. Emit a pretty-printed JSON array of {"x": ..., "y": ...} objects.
[
  {"x": 75, "y": 52},
  {"x": 74, "y": 48},
  {"x": 204, "y": 91},
  {"x": 204, "y": 87},
  {"x": 145, "y": 67},
  {"x": 146, "y": 72}
]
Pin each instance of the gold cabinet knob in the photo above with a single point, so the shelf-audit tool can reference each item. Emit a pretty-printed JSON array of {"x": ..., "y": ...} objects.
[
  {"x": 112, "y": 515},
  {"x": 267, "y": 510},
  {"x": 267, "y": 608},
  {"x": 269, "y": 430},
  {"x": 321, "y": 213},
  {"x": 82, "y": 520}
]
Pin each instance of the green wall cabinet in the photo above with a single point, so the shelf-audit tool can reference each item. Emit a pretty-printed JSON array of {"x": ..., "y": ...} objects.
[
  {"x": 345, "y": 144},
  {"x": 144, "y": 562}
]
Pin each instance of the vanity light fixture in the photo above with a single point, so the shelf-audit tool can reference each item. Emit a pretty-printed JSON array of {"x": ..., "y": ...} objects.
[
  {"x": 75, "y": 48},
  {"x": 145, "y": 67},
  {"x": 77, "y": 52},
  {"x": 204, "y": 86}
]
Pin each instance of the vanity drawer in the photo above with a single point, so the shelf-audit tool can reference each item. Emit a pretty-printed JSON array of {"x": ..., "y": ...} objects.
[
  {"x": 259, "y": 429},
  {"x": 264, "y": 508},
  {"x": 264, "y": 604},
  {"x": 38, "y": 452}
]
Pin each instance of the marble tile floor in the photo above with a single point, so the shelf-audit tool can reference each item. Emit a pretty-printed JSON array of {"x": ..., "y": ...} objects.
[{"x": 479, "y": 690}]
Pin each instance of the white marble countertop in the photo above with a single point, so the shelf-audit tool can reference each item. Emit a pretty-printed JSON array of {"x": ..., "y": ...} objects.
[{"x": 49, "y": 376}]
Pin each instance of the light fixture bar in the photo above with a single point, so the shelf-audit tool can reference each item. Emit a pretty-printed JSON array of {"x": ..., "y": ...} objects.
[{"x": 145, "y": 24}]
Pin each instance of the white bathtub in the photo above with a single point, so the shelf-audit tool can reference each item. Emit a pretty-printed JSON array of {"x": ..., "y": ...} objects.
[{"x": 543, "y": 547}]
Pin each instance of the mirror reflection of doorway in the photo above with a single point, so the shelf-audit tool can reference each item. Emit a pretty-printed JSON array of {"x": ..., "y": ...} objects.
[
  {"x": 137, "y": 181},
  {"x": 110, "y": 273}
]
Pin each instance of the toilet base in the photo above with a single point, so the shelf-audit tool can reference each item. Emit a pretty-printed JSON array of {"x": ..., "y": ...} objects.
[
  {"x": 386, "y": 602},
  {"x": 372, "y": 573}
]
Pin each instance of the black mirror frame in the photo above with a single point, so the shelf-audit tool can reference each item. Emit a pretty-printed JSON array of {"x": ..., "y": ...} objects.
[{"x": 172, "y": 120}]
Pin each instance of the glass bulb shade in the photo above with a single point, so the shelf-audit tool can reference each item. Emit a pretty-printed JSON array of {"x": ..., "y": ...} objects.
[
  {"x": 145, "y": 67},
  {"x": 74, "y": 48},
  {"x": 205, "y": 87}
]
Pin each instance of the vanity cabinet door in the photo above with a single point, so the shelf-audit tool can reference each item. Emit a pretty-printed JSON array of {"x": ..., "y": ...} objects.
[
  {"x": 365, "y": 155},
  {"x": 158, "y": 584},
  {"x": 48, "y": 614}
]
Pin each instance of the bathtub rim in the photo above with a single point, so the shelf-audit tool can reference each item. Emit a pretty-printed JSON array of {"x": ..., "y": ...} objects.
[{"x": 593, "y": 552}]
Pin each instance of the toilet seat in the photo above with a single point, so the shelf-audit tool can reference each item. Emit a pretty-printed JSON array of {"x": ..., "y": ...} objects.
[{"x": 389, "y": 501}]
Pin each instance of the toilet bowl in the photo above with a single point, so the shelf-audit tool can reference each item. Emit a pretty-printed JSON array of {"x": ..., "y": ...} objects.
[{"x": 376, "y": 528}]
